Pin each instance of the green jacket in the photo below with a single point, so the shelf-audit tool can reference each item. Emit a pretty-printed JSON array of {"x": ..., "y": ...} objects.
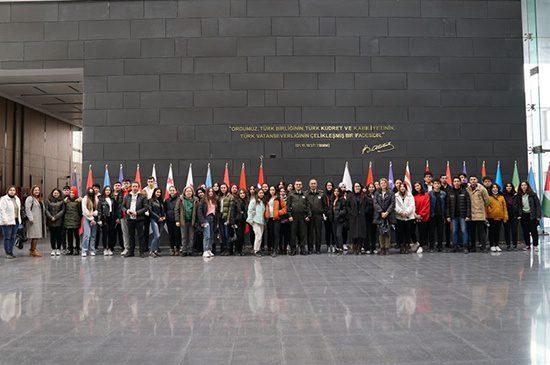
[
  {"x": 179, "y": 211},
  {"x": 73, "y": 213},
  {"x": 225, "y": 206}
]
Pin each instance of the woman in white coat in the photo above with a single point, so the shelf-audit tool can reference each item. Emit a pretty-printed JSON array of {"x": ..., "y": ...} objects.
[
  {"x": 34, "y": 209},
  {"x": 10, "y": 219},
  {"x": 404, "y": 212}
]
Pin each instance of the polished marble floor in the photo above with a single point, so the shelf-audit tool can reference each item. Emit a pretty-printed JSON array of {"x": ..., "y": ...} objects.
[{"x": 433, "y": 309}]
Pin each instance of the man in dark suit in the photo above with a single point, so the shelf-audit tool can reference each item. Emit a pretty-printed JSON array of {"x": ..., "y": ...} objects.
[{"x": 135, "y": 206}]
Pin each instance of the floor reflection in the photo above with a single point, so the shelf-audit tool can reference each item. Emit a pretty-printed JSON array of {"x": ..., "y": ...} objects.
[{"x": 440, "y": 308}]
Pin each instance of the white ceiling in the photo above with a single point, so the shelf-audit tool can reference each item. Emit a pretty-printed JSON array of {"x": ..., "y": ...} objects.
[{"x": 56, "y": 92}]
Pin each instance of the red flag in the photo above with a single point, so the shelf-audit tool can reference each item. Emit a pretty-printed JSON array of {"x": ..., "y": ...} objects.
[
  {"x": 242, "y": 179},
  {"x": 483, "y": 170},
  {"x": 370, "y": 176},
  {"x": 138, "y": 177},
  {"x": 448, "y": 177},
  {"x": 226, "y": 176},
  {"x": 427, "y": 168},
  {"x": 90, "y": 179},
  {"x": 261, "y": 180},
  {"x": 169, "y": 183}
]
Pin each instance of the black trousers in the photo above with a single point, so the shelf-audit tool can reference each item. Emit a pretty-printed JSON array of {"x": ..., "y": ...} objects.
[
  {"x": 284, "y": 236},
  {"x": 339, "y": 234},
  {"x": 174, "y": 235},
  {"x": 63, "y": 239},
  {"x": 135, "y": 231},
  {"x": 372, "y": 236},
  {"x": 108, "y": 233},
  {"x": 314, "y": 231},
  {"x": 477, "y": 229},
  {"x": 56, "y": 236},
  {"x": 437, "y": 227},
  {"x": 73, "y": 239},
  {"x": 239, "y": 232},
  {"x": 448, "y": 234},
  {"x": 511, "y": 231},
  {"x": 529, "y": 227},
  {"x": 329, "y": 233},
  {"x": 298, "y": 231},
  {"x": 146, "y": 233},
  {"x": 423, "y": 232},
  {"x": 97, "y": 238},
  {"x": 273, "y": 228},
  {"x": 494, "y": 232},
  {"x": 403, "y": 230}
]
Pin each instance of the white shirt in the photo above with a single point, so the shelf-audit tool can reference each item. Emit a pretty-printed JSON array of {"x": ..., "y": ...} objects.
[
  {"x": 133, "y": 203},
  {"x": 149, "y": 191},
  {"x": 109, "y": 201}
]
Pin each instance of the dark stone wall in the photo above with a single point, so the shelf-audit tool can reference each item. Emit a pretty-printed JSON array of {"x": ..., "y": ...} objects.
[{"x": 165, "y": 80}]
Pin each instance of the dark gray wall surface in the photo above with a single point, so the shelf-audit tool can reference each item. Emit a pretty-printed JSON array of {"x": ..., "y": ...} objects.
[{"x": 164, "y": 80}]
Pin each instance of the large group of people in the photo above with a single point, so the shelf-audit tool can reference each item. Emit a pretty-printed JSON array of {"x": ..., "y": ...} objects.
[{"x": 428, "y": 215}]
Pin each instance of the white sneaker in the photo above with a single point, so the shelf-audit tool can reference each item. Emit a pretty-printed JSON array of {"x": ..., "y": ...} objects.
[
  {"x": 210, "y": 254},
  {"x": 368, "y": 252},
  {"x": 498, "y": 249},
  {"x": 92, "y": 253},
  {"x": 419, "y": 250},
  {"x": 84, "y": 253},
  {"x": 345, "y": 247},
  {"x": 105, "y": 252},
  {"x": 52, "y": 254},
  {"x": 124, "y": 252},
  {"x": 536, "y": 248},
  {"x": 493, "y": 249},
  {"x": 205, "y": 254}
]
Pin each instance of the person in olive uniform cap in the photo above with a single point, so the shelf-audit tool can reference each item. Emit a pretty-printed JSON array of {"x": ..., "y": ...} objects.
[
  {"x": 299, "y": 215},
  {"x": 318, "y": 209}
]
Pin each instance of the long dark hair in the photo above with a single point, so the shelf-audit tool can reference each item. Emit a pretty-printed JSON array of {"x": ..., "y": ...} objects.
[
  {"x": 212, "y": 199},
  {"x": 90, "y": 201},
  {"x": 511, "y": 193},
  {"x": 60, "y": 194},
  {"x": 105, "y": 188},
  {"x": 529, "y": 190},
  {"x": 154, "y": 196},
  {"x": 414, "y": 192}
]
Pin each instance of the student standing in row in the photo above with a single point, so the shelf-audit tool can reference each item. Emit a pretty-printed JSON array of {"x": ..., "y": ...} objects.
[
  {"x": 71, "y": 222},
  {"x": 405, "y": 215},
  {"x": 511, "y": 226},
  {"x": 10, "y": 218},
  {"x": 497, "y": 213},
  {"x": 107, "y": 220},
  {"x": 479, "y": 199},
  {"x": 300, "y": 213},
  {"x": 318, "y": 210},
  {"x": 89, "y": 211},
  {"x": 135, "y": 206},
  {"x": 384, "y": 214},
  {"x": 255, "y": 217},
  {"x": 174, "y": 233},
  {"x": 459, "y": 212},
  {"x": 529, "y": 215},
  {"x": 157, "y": 217},
  {"x": 55, "y": 209},
  {"x": 34, "y": 210}
]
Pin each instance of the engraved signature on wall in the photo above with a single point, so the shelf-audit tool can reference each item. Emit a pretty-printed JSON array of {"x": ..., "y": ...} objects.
[{"x": 381, "y": 147}]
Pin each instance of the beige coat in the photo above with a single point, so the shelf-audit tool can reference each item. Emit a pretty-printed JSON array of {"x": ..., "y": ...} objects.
[{"x": 479, "y": 199}]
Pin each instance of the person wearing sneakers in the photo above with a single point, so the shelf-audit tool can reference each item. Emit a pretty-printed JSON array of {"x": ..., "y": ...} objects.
[
  {"x": 34, "y": 210},
  {"x": 107, "y": 217},
  {"x": 529, "y": 215},
  {"x": 206, "y": 213},
  {"x": 255, "y": 217},
  {"x": 497, "y": 213},
  {"x": 157, "y": 217},
  {"x": 10, "y": 218},
  {"x": 55, "y": 209},
  {"x": 90, "y": 213}
]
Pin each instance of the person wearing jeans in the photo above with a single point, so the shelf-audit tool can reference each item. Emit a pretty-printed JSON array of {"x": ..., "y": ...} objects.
[
  {"x": 255, "y": 217},
  {"x": 89, "y": 211},
  {"x": 459, "y": 210},
  {"x": 158, "y": 218},
  {"x": 206, "y": 213},
  {"x": 10, "y": 218}
]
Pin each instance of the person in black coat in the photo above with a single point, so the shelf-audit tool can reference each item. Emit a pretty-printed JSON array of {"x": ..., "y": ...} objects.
[
  {"x": 108, "y": 215},
  {"x": 357, "y": 207},
  {"x": 384, "y": 214},
  {"x": 237, "y": 219},
  {"x": 529, "y": 214},
  {"x": 371, "y": 227},
  {"x": 134, "y": 206},
  {"x": 329, "y": 234},
  {"x": 338, "y": 215},
  {"x": 511, "y": 225},
  {"x": 174, "y": 231},
  {"x": 459, "y": 210}
]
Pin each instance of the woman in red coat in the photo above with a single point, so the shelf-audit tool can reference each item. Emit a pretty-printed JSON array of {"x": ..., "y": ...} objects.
[{"x": 422, "y": 214}]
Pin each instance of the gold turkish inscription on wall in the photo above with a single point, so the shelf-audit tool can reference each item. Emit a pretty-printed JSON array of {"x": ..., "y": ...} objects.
[{"x": 311, "y": 133}]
